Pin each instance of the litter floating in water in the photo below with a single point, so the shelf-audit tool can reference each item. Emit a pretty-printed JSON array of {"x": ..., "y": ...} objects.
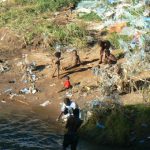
[{"x": 45, "y": 103}]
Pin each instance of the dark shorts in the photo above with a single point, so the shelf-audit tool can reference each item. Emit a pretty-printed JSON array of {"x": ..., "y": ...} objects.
[{"x": 70, "y": 139}]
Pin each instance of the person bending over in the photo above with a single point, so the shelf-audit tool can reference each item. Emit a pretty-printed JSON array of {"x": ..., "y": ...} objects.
[
  {"x": 72, "y": 126},
  {"x": 67, "y": 109}
]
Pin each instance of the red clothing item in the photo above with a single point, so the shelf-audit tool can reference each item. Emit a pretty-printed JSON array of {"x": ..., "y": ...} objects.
[{"x": 67, "y": 84}]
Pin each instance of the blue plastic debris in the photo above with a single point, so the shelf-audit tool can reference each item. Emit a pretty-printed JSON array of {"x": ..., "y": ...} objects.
[
  {"x": 141, "y": 141},
  {"x": 100, "y": 125}
]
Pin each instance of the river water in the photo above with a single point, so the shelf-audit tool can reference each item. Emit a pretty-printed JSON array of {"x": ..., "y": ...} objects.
[{"x": 24, "y": 129}]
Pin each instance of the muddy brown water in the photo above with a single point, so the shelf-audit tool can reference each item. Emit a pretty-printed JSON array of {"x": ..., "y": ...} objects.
[{"x": 24, "y": 129}]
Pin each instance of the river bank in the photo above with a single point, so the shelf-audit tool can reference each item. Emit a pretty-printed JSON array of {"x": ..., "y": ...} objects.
[{"x": 30, "y": 32}]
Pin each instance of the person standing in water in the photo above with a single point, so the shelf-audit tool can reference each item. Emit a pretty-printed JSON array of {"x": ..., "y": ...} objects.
[
  {"x": 73, "y": 124},
  {"x": 67, "y": 109}
]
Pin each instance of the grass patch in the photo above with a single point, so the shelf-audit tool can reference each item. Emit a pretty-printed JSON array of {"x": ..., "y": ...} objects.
[
  {"x": 46, "y": 5},
  {"x": 32, "y": 20},
  {"x": 90, "y": 17}
]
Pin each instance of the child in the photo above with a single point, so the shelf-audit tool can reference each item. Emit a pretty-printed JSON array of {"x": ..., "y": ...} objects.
[
  {"x": 105, "y": 45},
  {"x": 67, "y": 84},
  {"x": 57, "y": 64},
  {"x": 111, "y": 59},
  {"x": 76, "y": 59}
]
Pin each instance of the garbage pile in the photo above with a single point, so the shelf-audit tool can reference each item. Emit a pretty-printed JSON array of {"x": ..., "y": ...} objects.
[
  {"x": 29, "y": 76},
  {"x": 124, "y": 18},
  {"x": 128, "y": 24},
  {"x": 4, "y": 67},
  {"x": 109, "y": 79}
]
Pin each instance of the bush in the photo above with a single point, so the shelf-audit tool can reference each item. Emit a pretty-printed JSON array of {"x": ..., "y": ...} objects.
[{"x": 123, "y": 125}]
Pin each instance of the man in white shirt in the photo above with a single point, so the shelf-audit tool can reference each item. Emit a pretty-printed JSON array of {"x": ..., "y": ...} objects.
[{"x": 67, "y": 109}]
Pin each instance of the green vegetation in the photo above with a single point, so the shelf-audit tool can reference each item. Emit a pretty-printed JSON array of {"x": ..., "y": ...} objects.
[
  {"x": 46, "y": 5},
  {"x": 115, "y": 37},
  {"x": 90, "y": 17},
  {"x": 123, "y": 125},
  {"x": 33, "y": 21}
]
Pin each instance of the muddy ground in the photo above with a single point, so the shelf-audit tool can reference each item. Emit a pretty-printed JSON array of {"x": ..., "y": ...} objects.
[{"x": 47, "y": 86}]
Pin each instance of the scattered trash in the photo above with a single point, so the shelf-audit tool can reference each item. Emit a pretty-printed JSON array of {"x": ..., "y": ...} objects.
[
  {"x": 8, "y": 90},
  {"x": 12, "y": 95},
  {"x": 22, "y": 102},
  {"x": 45, "y": 103},
  {"x": 100, "y": 125},
  {"x": 95, "y": 103},
  {"x": 4, "y": 67},
  {"x": 53, "y": 84},
  {"x": 3, "y": 101},
  {"x": 25, "y": 91},
  {"x": 68, "y": 94}
]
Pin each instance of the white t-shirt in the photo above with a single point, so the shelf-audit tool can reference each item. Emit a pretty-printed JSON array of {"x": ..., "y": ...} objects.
[{"x": 70, "y": 107}]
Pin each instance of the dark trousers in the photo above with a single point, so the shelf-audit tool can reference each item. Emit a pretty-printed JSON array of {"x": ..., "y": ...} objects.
[{"x": 70, "y": 139}]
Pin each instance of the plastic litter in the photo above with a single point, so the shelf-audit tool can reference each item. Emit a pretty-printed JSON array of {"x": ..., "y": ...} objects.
[
  {"x": 12, "y": 95},
  {"x": 8, "y": 90},
  {"x": 3, "y": 101},
  {"x": 53, "y": 84},
  {"x": 25, "y": 91},
  {"x": 4, "y": 67},
  {"x": 100, "y": 125},
  {"x": 68, "y": 94},
  {"x": 45, "y": 103}
]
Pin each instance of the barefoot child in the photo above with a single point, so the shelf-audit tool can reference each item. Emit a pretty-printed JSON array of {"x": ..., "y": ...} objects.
[
  {"x": 67, "y": 84},
  {"x": 76, "y": 59},
  {"x": 103, "y": 45},
  {"x": 110, "y": 58},
  {"x": 57, "y": 64}
]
